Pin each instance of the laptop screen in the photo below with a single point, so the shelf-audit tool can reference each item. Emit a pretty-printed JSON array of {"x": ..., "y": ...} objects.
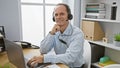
[{"x": 15, "y": 53}]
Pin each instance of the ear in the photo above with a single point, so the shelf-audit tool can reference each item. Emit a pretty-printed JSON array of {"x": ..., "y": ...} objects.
[
  {"x": 70, "y": 16},
  {"x": 53, "y": 17}
]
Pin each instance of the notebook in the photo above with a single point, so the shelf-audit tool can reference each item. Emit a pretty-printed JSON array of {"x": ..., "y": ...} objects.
[{"x": 15, "y": 54}]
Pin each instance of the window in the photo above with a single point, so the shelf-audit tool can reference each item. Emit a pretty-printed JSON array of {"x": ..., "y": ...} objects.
[
  {"x": 48, "y": 17},
  {"x": 32, "y": 1},
  {"x": 53, "y": 1},
  {"x": 36, "y": 19}
]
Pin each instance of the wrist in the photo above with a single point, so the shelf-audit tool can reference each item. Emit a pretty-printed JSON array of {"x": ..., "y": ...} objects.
[
  {"x": 42, "y": 58},
  {"x": 52, "y": 33}
]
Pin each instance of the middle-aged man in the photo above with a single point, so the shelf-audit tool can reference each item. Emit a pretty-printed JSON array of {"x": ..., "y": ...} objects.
[{"x": 66, "y": 39}]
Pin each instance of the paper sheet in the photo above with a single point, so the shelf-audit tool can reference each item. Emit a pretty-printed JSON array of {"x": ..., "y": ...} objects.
[{"x": 52, "y": 66}]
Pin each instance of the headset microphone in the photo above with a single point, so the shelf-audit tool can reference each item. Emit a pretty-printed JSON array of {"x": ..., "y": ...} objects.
[{"x": 67, "y": 20}]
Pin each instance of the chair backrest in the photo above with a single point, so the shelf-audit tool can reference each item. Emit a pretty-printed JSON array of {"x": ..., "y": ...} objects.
[{"x": 87, "y": 54}]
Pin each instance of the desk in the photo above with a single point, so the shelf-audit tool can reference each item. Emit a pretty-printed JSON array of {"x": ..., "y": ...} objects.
[{"x": 5, "y": 62}]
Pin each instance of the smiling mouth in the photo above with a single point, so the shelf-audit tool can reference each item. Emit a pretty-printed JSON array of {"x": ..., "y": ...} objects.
[{"x": 59, "y": 20}]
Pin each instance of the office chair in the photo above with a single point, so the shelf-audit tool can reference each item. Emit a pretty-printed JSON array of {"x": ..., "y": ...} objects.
[{"x": 87, "y": 54}]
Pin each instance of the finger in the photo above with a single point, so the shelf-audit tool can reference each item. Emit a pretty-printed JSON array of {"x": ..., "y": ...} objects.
[
  {"x": 33, "y": 64},
  {"x": 34, "y": 58},
  {"x": 30, "y": 61},
  {"x": 28, "y": 64},
  {"x": 58, "y": 28}
]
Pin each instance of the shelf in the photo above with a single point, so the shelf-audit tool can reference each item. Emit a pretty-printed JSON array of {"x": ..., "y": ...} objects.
[
  {"x": 96, "y": 65},
  {"x": 108, "y": 45},
  {"x": 95, "y": 4},
  {"x": 101, "y": 20}
]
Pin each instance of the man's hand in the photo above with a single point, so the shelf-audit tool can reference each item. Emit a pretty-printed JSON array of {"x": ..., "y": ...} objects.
[
  {"x": 55, "y": 29},
  {"x": 35, "y": 60}
]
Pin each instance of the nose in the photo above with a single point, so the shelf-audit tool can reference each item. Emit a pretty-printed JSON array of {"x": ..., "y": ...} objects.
[{"x": 58, "y": 16}]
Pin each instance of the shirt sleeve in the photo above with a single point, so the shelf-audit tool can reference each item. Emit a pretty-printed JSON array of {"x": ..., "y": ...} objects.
[
  {"x": 74, "y": 50},
  {"x": 47, "y": 44}
]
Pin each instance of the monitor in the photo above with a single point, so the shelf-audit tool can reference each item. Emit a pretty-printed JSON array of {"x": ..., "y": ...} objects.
[{"x": 2, "y": 35}]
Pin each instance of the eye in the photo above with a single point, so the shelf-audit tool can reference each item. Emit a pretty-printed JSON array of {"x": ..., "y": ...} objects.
[{"x": 56, "y": 15}]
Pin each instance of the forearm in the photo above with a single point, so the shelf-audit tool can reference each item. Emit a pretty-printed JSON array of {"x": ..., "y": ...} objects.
[
  {"x": 47, "y": 44},
  {"x": 61, "y": 58}
]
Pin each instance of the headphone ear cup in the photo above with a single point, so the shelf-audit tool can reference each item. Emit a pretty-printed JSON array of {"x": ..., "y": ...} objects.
[
  {"x": 70, "y": 16},
  {"x": 53, "y": 19}
]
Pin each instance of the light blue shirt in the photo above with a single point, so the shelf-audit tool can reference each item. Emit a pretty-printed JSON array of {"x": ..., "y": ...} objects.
[{"x": 68, "y": 51}]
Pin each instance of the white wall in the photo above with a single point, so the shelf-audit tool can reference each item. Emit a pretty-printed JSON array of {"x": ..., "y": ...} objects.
[
  {"x": 77, "y": 12},
  {"x": 10, "y": 19}
]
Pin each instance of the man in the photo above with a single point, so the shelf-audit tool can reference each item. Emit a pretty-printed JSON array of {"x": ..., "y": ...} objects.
[{"x": 67, "y": 41}]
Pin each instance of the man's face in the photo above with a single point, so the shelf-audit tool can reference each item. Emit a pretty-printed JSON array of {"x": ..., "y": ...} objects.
[{"x": 61, "y": 15}]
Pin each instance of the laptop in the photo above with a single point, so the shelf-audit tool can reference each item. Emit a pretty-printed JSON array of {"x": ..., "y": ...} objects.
[{"x": 15, "y": 54}]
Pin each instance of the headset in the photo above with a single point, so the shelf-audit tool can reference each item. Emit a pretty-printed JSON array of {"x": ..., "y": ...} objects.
[{"x": 70, "y": 16}]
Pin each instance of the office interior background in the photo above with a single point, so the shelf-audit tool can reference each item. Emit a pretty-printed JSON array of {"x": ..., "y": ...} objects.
[{"x": 31, "y": 20}]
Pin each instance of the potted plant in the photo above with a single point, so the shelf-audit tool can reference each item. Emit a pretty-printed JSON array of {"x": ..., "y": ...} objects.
[{"x": 117, "y": 39}]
